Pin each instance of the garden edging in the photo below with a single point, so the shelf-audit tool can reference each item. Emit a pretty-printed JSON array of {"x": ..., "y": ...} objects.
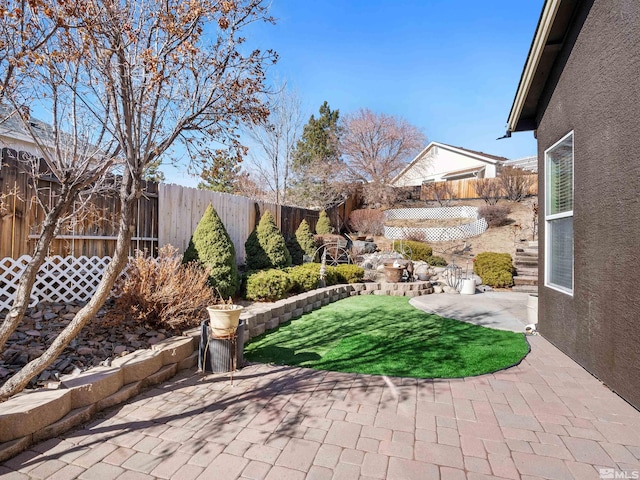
[{"x": 33, "y": 416}]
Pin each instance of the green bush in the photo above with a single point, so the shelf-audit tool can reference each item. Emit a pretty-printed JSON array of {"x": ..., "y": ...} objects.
[
  {"x": 212, "y": 247},
  {"x": 304, "y": 277},
  {"x": 305, "y": 239},
  {"x": 323, "y": 226},
  {"x": 495, "y": 269},
  {"x": 265, "y": 247},
  {"x": 267, "y": 285},
  {"x": 295, "y": 250},
  {"x": 436, "y": 261},
  {"x": 350, "y": 273},
  {"x": 420, "y": 251}
]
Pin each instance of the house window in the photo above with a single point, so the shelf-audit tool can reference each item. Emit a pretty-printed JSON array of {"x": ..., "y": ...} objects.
[{"x": 559, "y": 215}]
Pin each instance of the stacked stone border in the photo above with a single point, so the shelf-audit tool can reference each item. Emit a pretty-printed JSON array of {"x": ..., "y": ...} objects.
[
  {"x": 33, "y": 416},
  {"x": 436, "y": 234}
]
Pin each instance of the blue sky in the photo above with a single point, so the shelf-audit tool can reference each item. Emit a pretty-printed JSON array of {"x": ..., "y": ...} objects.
[{"x": 449, "y": 67}]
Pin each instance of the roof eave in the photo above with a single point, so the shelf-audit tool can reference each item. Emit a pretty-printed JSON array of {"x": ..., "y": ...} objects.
[{"x": 547, "y": 17}]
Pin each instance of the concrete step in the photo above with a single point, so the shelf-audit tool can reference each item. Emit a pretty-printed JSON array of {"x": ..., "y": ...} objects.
[
  {"x": 525, "y": 280},
  {"x": 525, "y": 288},
  {"x": 527, "y": 272},
  {"x": 526, "y": 252},
  {"x": 526, "y": 262},
  {"x": 533, "y": 244}
]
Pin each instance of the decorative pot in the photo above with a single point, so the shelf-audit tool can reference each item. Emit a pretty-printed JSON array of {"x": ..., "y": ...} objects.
[
  {"x": 393, "y": 274},
  {"x": 224, "y": 319}
]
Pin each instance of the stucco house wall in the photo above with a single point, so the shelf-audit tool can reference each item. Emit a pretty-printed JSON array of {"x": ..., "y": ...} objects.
[
  {"x": 594, "y": 91},
  {"x": 438, "y": 160}
]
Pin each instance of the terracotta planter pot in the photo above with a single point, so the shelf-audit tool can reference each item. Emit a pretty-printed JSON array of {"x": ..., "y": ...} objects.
[
  {"x": 393, "y": 274},
  {"x": 224, "y": 319}
]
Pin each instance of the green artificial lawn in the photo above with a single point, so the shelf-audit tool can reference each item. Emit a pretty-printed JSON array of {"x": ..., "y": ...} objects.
[{"x": 383, "y": 335}]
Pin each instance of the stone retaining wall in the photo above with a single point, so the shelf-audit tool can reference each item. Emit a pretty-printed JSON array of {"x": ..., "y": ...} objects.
[{"x": 33, "y": 416}]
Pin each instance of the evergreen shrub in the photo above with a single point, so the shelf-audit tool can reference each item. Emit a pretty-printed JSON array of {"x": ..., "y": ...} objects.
[
  {"x": 267, "y": 285},
  {"x": 212, "y": 247},
  {"x": 323, "y": 227},
  {"x": 295, "y": 250},
  {"x": 495, "y": 269},
  {"x": 305, "y": 239},
  {"x": 420, "y": 251},
  {"x": 304, "y": 277},
  {"x": 350, "y": 273},
  {"x": 265, "y": 247}
]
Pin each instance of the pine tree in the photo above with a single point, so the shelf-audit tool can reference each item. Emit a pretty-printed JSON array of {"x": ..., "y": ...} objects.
[
  {"x": 265, "y": 247},
  {"x": 213, "y": 248},
  {"x": 316, "y": 165},
  {"x": 323, "y": 227},
  {"x": 305, "y": 239}
]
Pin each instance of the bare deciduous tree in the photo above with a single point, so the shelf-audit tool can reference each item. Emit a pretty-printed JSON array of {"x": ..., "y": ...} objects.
[
  {"x": 375, "y": 148},
  {"x": 275, "y": 140},
  {"x": 515, "y": 183},
  {"x": 148, "y": 73}
]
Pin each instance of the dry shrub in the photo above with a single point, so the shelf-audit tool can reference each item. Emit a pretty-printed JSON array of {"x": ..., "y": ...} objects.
[
  {"x": 163, "y": 292},
  {"x": 495, "y": 215},
  {"x": 368, "y": 220}
]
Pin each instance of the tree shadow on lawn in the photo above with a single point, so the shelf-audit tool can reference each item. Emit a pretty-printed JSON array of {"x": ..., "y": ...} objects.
[{"x": 387, "y": 336}]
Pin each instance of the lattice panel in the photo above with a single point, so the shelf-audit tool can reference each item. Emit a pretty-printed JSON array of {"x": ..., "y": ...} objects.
[
  {"x": 60, "y": 279},
  {"x": 438, "y": 234},
  {"x": 436, "y": 213}
]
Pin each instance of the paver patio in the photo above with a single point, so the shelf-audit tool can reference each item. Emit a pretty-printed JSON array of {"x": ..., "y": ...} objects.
[{"x": 546, "y": 418}]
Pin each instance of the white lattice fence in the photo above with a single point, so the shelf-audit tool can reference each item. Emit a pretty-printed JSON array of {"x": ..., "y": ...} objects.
[
  {"x": 436, "y": 234},
  {"x": 60, "y": 279},
  {"x": 436, "y": 213}
]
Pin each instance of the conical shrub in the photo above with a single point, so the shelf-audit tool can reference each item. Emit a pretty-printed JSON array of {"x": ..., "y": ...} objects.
[
  {"x": 305, "y": 239},
  {"x": 267, "y": 248},
  {"x": 297, "y": 255},
  {"x": 212, "y": 247},
  {"x": 323, "y": 227}
]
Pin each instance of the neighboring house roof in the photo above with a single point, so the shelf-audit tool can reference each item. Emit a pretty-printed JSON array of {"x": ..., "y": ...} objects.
[
  {"x": 483, "y": 157},
  {"x": 463, "y": 173},
  {"x": 547, "y": 43},
  {"x": 525, "y": 163}
]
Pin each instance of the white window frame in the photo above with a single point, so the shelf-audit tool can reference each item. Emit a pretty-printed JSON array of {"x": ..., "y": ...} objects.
[{"x": 548, "y": 218}]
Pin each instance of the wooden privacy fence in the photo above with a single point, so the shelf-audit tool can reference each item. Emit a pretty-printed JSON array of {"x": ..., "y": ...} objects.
[
  {"x": 91, "y": 234},
  {"x": 166, "y": 214},
  {"x": 466, "y": 188}
]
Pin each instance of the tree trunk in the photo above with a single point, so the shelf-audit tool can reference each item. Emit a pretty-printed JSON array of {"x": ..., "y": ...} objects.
[
  {"x": 128, "y": 196},
  {"x": 28, "y": 277}
]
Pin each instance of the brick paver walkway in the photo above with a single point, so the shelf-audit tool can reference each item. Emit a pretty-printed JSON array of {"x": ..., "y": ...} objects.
[{"x": 546, "y": 418}]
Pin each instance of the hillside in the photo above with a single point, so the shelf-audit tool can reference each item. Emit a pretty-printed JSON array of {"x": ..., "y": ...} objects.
[{"x": 503, "y": 239}]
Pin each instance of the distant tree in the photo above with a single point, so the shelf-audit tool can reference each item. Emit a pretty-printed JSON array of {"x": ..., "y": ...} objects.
[
  {"x": 221, "y": 173},
  {"x": 211, "y": 245},
  {"x": 317, "y": 167},
  {"x": 275, "y": 141},
  {"x": 375, "y": 148},
  {"x": 153, "y": 172}
]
